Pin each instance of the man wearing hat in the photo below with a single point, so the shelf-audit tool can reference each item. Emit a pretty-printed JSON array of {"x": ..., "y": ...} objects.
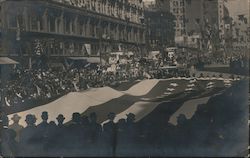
[
  {"x": 60, "y": 118},
  {"x": 110, "y": 125},
  {"x": 60, "y": 139},
  {"x": 27, "y": 145},
  {"x": 130, "y": 130},
  {"x": 109, "y": 129},
  {"x": 95, "y": 128},
  {"x": 15, "y": 126},
  {"x": 130, "y": 118},
  {"x": 44, "y": 123}
]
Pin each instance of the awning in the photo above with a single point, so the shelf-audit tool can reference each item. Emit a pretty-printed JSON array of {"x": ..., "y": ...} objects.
[
  {"x": 7, "y": 61},
  {"x": 94, "y": 60}
]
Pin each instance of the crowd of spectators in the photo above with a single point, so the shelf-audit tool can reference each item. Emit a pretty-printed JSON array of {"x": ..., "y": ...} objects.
[
  {"x": 43, "y": 84},
  {"x": 25, "y": 84}
]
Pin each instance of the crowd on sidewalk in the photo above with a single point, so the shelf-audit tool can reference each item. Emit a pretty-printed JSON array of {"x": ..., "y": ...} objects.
[{"x": 43, "y": 84}]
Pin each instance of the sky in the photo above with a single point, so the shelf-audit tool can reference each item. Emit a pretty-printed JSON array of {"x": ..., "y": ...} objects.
[{"x": 237, "y": 7}]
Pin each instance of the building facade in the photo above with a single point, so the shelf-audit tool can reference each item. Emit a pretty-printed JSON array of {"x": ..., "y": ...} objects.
[
  {"x": 177, "y": 8},
  {"x": 206, "y": 21},
  {"x": 241, "y": 39},
  {"x": 160, "y": 29},
  {"x": 197, "y": 21},
  {"x": 65, "y": 28},
  {"x": 194, "y": 23}
]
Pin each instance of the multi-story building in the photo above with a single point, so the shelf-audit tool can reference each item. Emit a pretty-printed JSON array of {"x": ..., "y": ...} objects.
[
  {"x": 194, "y": 23},
  {"x": 205, "y": 23},
  {"x": 177, "y": 8},
  {"x": 196, "y": 20},
  {"x": 240, "y": 13},
  {"x": 160, "y": 28},
  {"x": 221, "y": 21},
  {"x": 214, "y": 23},
  {"x": 241, "y": 39},
  {"x": 66, "y": 28}
]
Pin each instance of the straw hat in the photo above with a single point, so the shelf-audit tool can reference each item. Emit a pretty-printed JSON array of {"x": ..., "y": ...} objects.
[{"x": 16, "y": 117}]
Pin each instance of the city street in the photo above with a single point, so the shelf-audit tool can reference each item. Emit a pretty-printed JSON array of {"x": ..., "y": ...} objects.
[
  {"x": 159, "y": 104},
  {"x": 124, "y": 78}
]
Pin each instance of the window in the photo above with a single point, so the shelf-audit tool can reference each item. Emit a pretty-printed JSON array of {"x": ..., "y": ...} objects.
[
  {"x": 189, "y": 2},
  {"x": 40, "y": 21},
  {"x": 175, "y": 3},
  {"x": 197, "y": 20},
  {"x": 58, "y": 21},
  {"x": 33, "y": 21},
  {"x": 52, "y": 24},
  {"x": 73, "y": 28},
  {"x": 67, "y": 26},
  {"x": 80, "y": 26}
]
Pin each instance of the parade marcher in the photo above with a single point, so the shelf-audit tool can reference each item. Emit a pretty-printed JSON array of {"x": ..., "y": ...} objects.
[
  {"x": 16, "y": 126},
  {"x": 60, "y": 119},
  {"x": 44, "y": 124},
  {"x": 110, "y": 130},
  {"x": 75, "y": 132},
  {"x": 59, "y": 138},
  {"x": 7, "y": 141},
  {"x": 131, "y": 132},
  {"x": 95, "y": 128},
  {"x": 52, "y": 137},
  {"x": 28, "y": 145},
  {"x": 43, "y": 131},
  {"x": 110, "y": 125}
]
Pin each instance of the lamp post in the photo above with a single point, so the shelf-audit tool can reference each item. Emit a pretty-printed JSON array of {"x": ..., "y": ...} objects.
[
  {"x": 100, "y": 50},
  {"x": 1, "y": 90}
]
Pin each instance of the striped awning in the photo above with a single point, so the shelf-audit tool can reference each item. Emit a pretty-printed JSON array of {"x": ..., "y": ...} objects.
[{"x": 7, "y": 61}]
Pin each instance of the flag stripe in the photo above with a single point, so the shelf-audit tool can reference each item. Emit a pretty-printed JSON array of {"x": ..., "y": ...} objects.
[{"x": 81, "y": 101}]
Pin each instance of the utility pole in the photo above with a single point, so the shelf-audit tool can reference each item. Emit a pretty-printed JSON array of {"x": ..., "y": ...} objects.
[
  {"x": 1, "y": 88},
  {"x": 161, "y": 38},
  {"x": 2, "y": 99},
  {"x": 100, "y": 50}
]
